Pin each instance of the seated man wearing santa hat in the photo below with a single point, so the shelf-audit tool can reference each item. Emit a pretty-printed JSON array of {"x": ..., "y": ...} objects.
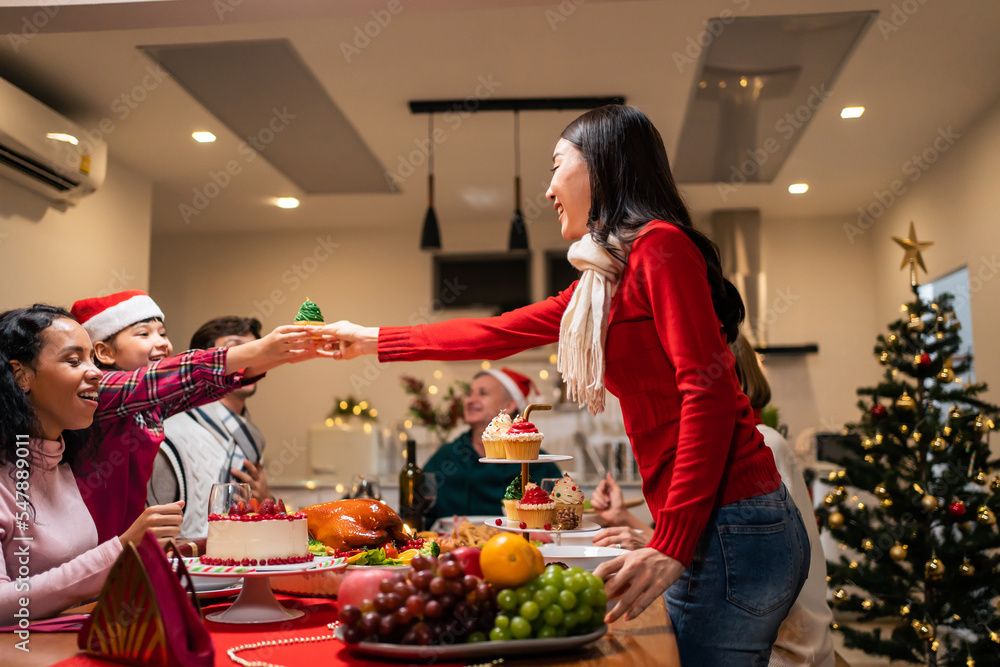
[{"x": 464, "y": 487}]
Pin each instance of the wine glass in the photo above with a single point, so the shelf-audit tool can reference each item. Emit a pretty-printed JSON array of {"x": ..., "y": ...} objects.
[
  {"x": 224, "y": 496},
  {"x": 365, "y": 487},
  {"x": 429, "y": 491}
]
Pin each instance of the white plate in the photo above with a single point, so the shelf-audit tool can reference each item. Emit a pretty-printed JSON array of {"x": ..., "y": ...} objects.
[
  {"x": 446, "y": 523},
  {"x": 211, "y": 584},
  {"x": 510, "y": 524},
  {"x": 487, "y": 650},
  {"x": 587, "y": 557},
  {"x": 542, "y": 458},
  {"x": 195, "y": 568},
  {"x": 223, "y": 592}
]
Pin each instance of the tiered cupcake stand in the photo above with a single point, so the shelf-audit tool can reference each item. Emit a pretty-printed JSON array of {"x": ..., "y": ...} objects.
[{"x": 503, "y": 523}]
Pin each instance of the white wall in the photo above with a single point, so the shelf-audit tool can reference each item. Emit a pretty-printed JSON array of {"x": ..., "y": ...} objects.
[
  {"x": 820, "y": 290},
  {"x": 99, "y": 246}
]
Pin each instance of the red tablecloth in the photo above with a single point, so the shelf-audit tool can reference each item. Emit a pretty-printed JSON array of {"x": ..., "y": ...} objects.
[{"x": 318, "y": 612}]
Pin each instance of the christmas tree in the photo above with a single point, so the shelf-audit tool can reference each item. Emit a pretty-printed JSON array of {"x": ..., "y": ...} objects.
[{"x": 922, "y": 554}]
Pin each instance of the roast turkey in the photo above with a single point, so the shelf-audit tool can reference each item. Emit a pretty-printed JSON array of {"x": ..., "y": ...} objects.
[{"x": 358, "y": 523}]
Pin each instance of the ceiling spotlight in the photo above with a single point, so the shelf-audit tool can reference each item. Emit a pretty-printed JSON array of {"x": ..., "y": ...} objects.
[
  {"x": 203, "y": 137},
  {"x": 798, "y": 188},
  {"x": 852, "y": 112},
  {"x": 287, "y": 202}
]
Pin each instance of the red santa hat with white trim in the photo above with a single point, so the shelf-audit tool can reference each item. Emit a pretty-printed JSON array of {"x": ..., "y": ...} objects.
[
  {"x": 104, "y": 316},
  {"x": 520, "y": 387}
]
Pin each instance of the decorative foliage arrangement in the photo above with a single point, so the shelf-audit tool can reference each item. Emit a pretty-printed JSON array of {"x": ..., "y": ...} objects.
[{"x": 439, "y": 419}]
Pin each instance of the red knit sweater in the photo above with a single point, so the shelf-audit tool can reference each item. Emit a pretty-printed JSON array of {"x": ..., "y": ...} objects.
[{"x": 691, "y": 427}]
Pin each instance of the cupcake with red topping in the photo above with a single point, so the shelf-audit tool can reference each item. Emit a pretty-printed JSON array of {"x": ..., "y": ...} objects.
[
  {"x": 522, "y": 441},
  {"x": 536, "y": 508},
  {"x": 493, "y": 436},
  {"x": 567, "y": 495}
]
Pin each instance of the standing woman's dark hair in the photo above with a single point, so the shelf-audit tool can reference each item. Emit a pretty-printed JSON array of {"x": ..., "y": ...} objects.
[
  {"x": 631, "y": 184},
  {"x": 21, "y": 339}
]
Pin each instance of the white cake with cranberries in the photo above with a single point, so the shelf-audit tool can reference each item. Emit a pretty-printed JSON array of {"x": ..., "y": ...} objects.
[{"x": 257, "y": 535}]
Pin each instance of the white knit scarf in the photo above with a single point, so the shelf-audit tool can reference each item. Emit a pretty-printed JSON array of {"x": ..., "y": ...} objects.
[{"x": 584, "y": 325}]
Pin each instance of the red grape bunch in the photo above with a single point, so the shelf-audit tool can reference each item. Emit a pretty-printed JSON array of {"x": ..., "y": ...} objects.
[{"x": 435, "y": 603}]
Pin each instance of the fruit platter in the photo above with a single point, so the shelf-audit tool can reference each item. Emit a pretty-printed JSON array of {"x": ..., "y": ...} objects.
[{"x": 500, "y": 599}]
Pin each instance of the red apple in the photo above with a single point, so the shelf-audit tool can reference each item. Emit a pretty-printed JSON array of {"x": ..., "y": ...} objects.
[
  {"x": 362, "y": 584},
  {"x": 468, "y": 557}
]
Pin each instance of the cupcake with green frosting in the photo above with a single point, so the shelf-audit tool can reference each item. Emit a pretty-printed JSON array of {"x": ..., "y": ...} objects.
[
  {"x": 511, "y": 496},
  {"x": 309, "y": 315}
]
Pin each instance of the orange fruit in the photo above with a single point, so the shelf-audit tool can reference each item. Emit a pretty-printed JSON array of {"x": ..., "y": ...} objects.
[{"x": 508, "y": 560}]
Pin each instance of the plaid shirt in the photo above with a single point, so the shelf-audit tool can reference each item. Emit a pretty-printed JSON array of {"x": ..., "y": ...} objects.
[{"x": 130, "y": 413}]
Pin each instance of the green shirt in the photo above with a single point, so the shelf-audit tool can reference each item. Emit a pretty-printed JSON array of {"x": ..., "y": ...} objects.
[{"x": 467, "y": 487}]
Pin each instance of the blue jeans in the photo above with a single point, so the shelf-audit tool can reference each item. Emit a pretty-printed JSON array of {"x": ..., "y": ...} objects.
[{"x": 747, "y": 570}]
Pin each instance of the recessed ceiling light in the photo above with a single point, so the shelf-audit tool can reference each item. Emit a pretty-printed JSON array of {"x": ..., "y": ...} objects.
[
  {"x": 62, "y": 136},
  {"x": 287, "y": 202},
  {"x": 852, "y": 112},
  {"x": 798, "y": 188},
  {"x": 203, "y": 137}
]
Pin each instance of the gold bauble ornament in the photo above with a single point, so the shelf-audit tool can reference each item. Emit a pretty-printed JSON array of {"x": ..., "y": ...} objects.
[
  {"x": 929, "y": 502},
  {"x": 915, "y": 324},
  {"x": 905, "y": 402},
  {"x": 939, "y": 444},
  {"x": 881, "y": 491},
  {"x": 898, "y": 552},
  {"x": 946, "y": 431},
  {"x": 955, "y": 413},
  {"x": 867, "y": 545},
  {"x": 884, "y": 358},
  {"x": 835, "y": 520},
  {"x": 829, "y": 500},
  {"x": 840, "y": 596},
  {"x": 966, "y": 569},
  {"x": 934, "y": 568},
  {"x": 946, "y": 375},
  {"x": 995, "y": 484},
  {"x": 980, "y": 478},
  {"x": 965, "y": 526},
  {"x": 924, "y": 630},
  {"x": 985, "y": 516}
]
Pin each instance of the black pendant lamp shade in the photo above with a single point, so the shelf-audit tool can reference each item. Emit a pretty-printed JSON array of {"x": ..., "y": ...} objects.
[
  {"x": 518, "y": 239},
  {"x": 430, "y": 235}
]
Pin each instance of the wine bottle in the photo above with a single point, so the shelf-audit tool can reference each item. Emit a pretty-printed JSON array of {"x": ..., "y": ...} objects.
[{"x": 411, "y": 501}]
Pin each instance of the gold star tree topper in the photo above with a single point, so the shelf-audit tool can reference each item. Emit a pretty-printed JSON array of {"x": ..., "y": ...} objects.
[{"x": 913, "y": 248}]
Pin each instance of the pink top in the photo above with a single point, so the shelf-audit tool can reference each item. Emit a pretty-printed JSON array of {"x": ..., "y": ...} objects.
[{"x": 62, "y": 563}]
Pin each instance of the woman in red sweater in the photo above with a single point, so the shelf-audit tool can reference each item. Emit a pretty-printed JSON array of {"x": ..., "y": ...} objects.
[{"x": 651, "y": 316}]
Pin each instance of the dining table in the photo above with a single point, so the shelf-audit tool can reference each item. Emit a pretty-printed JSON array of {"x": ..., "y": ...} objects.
[{"x": 645, "y": 640}]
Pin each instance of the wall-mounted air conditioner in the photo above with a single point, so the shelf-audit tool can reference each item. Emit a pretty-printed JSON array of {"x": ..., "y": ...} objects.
[{"x": 45, "y": 152}]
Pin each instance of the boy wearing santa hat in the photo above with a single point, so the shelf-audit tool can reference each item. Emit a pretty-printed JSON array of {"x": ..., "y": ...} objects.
[
  {"x": 463, "y": 485},
  {"x": 148, "y": 385}
]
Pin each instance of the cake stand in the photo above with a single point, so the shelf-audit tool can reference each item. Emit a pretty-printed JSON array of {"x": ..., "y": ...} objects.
[
  {"x": 256, "y": 602},
  {"x": 542, "y": 458},
  {"x": 515, "y": 526}
]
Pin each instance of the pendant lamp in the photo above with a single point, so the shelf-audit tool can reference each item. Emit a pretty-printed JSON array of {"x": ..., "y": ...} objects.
[
  {"x": 518, "y": 230},
  {"x": 430, "y": 236}
]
